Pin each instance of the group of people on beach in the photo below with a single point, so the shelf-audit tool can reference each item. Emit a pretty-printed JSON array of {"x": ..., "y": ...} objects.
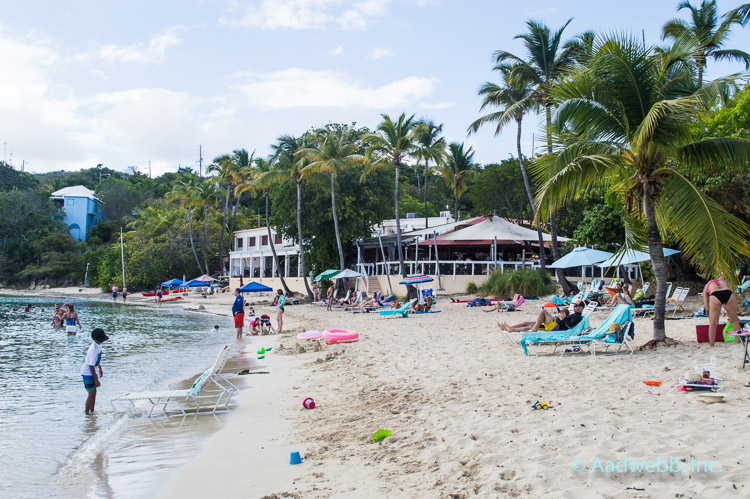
[
  {"x": 115, "y": 290},
  {"x": 261, "y": 324},
  {"x": 67, "y": 316}
]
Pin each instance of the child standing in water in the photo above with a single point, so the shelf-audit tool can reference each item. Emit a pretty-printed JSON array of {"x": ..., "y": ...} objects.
[{"x": 90, "y": 364}]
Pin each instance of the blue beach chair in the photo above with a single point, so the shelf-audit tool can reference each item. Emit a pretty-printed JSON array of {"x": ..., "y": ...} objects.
[{"x": 400, "y": 312}]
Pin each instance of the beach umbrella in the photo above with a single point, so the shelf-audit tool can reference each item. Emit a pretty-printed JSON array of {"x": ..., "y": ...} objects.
[
  {"x": 254, "y": 287},
  {"x": 196, "y": 283},
  {"x": 346, "y": 273},
  {"x": 416, "y": 279},
  {"x": 173, "y": 282},
  {"x": 205, "y": 278},
  {"x": 328, "y": 274},
  {"x": 632, "y": 256},
  {"x": 580, "y": 257}
]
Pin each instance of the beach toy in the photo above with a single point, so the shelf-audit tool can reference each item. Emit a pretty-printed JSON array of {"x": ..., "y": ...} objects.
[
  {"x": 310, "y": 335},
  {"x": 308, "y": 403},
  {"x": 540, "y": 405},
  {"x": 381, "y": 434},
  {"x": 261, "y": 357},
  {"x": 295, "y": 458},
  {"x": 269, "y": 349},
  {"x": 261, "y": 351},
  {"x": 333, "y": 336},
  {"x": 652, "y": 383}
]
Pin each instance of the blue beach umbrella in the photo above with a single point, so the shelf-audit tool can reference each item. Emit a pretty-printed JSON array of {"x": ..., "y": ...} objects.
[
  {"x": 254, "y": 287},
  {"x": 173, "y": 282},
  {"x": 195, "y": 283},
  {"x": 632, "y": 256},
  {"x": 580, "y": 257},
  {"x": 416, "y": 279}
]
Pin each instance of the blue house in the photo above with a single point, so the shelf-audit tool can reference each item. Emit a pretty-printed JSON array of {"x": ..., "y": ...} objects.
[{"x": 82, "y": 209}]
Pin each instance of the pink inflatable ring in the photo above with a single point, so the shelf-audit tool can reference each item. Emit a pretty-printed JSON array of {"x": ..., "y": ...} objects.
[{"x": 339, "y": 336}]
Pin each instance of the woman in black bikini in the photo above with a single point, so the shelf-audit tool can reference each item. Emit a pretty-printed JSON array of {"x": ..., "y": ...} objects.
[{"x": 715, "y": 294}]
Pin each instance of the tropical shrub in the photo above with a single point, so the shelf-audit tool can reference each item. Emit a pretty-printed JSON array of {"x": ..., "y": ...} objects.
[{"x": 527, "y": 282}]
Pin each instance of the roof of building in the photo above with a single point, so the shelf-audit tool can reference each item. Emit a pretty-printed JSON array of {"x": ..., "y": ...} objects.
[{"x": 75, "y": 191}]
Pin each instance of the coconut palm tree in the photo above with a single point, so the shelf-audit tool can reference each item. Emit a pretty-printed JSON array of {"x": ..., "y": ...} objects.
[
  {"x": 547, "y": 59},
  {"x": 245, "y": 163},
  {"x": 708, "y": 35},
  {"x": 184, "y": 191},
  {"x": 458, "y": 171},
  {"x": 229, "y": 170},
  {"x": 330, "y": 152},
  {"x": 390, "y": 147},
  {"x": 261, "y": 181},
  {"x": 206, "y": 196},
  {"x": 291, "y": 165},
  {"x": 515, "y": 98},
  {"x": 623, "y": 125},
  {"x": 430, "y": 146}
]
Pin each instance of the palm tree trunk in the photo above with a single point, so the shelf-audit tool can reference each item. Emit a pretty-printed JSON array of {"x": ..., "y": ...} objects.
[
  {"x": 560, "y": 273},
  {"x": 527, "y": 184},
  {"x": 455, "y": 203},
  {"x": 299, "y": 236},
  {"x": 273, "y": 249},
  {"x": 223, "y": 226},
  {"x": 336, "y": 222},
  {"x": 659, "y": 264},
  {"x": 426, "y": 221},
  {"x": 401, "y": 268},
  {"x": 231, "y": 224},
  {"x": 192, "y": 242},
  {"x": 205, "y": 238},
  {"x": 416, "y": 170}
]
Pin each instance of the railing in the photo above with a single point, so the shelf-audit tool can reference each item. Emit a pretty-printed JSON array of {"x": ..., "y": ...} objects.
[{"x": 447, "y": 267}]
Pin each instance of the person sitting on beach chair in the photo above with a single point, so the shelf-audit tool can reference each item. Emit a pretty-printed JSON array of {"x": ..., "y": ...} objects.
[
  {"x": 621, "y": 297},
  {"x": 546, "y": 322},
  {"x": 507, "y": 305},
  {"x": 420, "y": 308}
]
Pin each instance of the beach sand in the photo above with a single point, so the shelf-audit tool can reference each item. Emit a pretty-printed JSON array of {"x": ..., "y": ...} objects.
[{"x": 458, "y": 398}]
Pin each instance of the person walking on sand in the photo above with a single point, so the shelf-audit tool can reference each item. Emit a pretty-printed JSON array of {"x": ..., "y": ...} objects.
[
  {"x": 280, "y": 309},
  {"x": 158, "y": 298},
  {"x": 71, "y": 318},
  {"x": 124, "y": 294},
  {"x": 114, "y": 293},
  {"x": 238, "y": 311},
  {"x": 329, "y": 297},
  {"x": 715, "y": 295},
  {"x": 90, "y": 364}
]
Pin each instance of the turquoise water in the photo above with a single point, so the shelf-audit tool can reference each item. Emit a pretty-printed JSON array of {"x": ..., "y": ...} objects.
[{"x": 42, "y": 424}]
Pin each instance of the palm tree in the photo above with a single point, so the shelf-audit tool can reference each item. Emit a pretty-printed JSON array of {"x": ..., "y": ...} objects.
[
  {"x": 547, "y": 60},
  {"x": 184, "y": 190},
  {"x": 292, "y": 164},
  {"x": 331, "y": 152},
  {"x": 393, "y": 143},
  {"x": 430, "y": 146},
  {"x": 206, "y": 195},
  {"x": 515, "y": 97},
  {"x": 230, "y": 171},
  {"x": 243, "y": 172},
  {"x": 458, "y": 171},
  {"x": 707, "y": 33},
  {"x": 623, "y": 125},
  {"x": 261, "y": 180}
]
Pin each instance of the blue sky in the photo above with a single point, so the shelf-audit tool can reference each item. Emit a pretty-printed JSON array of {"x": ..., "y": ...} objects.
[{"x": 125, "y": 83}]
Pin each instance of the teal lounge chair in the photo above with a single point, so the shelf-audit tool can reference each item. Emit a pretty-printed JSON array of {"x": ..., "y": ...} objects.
[
  {"x": 620, "y": 314},
  {"x": 400, "y": 312}
]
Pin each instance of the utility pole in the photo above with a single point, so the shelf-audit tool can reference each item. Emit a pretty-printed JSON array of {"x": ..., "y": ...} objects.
[
  {"x": 23, "y": 164},
  {"x": 149, "y": 168},
  {"x": 200, "y": 160}
]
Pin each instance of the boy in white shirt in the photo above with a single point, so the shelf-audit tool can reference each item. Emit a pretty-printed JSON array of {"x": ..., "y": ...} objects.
[{"x": 90, "y": 363}]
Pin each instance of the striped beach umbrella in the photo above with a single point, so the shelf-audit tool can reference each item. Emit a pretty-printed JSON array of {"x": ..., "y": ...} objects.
[{"x": 416, "y": 279}]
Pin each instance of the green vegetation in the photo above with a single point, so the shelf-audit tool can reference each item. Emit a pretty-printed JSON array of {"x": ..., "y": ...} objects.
[{"x": 526, "y": 282}]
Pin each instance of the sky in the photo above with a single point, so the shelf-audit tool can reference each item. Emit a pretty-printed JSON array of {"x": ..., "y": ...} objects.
[{"x": 159, "y": 81}]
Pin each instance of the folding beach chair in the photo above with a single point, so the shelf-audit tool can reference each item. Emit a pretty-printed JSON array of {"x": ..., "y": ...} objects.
[
  {"x": 649, "y": 309},
  {"x": 222, "y": 390},
  {"x": 399, "y": 312},
  {"x": 577, "y": 329},
  {"x": 621, "y": 314},
  {"x": 620, "y": 339}
]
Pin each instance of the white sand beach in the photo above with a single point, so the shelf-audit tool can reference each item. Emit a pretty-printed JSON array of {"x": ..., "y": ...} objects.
[{"x": 457, "y": 397}]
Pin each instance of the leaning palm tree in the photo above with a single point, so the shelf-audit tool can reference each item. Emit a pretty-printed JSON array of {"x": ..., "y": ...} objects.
[
  {"x": 389, "y": 147},
  {"x": 430, "y": 146},
  {"x": 206, "y": 196},
  {"x": 458, "y": 171},
  {"x": 260, "y": 181},
  {"x": 292, "y": 164},
  {"x": 707, "y": 33},
  {"x": 623, "y": 124},
  {"x": 515, "y": 98},
  {"x": 548, "y": 59},
  {"x": 244, "y": 171},
  {"x": 184, "y": 191}
]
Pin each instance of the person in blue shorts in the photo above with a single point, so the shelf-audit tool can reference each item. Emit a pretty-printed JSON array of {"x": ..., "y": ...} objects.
[
  {"x": 114, "y": 293},
  {"x": 90, "y": 364}
]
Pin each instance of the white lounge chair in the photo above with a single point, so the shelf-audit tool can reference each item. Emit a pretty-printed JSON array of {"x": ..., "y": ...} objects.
[{"x": 222, "y": 390}]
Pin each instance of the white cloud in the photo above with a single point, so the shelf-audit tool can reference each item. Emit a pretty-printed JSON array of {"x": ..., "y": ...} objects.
[
  {"x": 437, "y": 105},
  {"x": 337, "y": 51},
  {"x": 304, "y": 14},
  {"x": 379, "y": 53},
  {"x": 295, "y": 87},
  {"x": 153, "y": 52}
]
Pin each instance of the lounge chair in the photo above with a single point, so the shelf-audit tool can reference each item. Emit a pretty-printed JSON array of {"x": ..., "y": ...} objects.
[
  {"x": 621, "y": 314},
  {"x": 577, "y": 329},
  {"x": 400, "y": 312},
  {"x": 222, "y": 391},
  {"x": 649, "y": 309}
]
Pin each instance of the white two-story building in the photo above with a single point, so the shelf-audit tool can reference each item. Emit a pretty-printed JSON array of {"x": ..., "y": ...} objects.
[{"x": 252, "y": 257}]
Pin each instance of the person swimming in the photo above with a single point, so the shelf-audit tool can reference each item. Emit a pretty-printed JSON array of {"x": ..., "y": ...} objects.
[{"x": 28, "y": 308}]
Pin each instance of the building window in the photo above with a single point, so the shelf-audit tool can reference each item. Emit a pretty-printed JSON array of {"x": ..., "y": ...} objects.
[
  {"x": 264, "y": 241},
  {"x": 251, "y": 242},
  {"x": 276, "y": 239},
  {"x": 239, "y": 243},
  {"x": 70, "y": 202}
]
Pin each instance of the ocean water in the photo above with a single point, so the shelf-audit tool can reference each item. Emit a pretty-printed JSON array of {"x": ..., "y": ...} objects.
[{"x": 49, "y": 446}]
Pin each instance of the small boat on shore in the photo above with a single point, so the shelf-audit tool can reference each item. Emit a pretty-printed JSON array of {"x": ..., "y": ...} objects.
[
  {"x": 171, "y": 299},
  {"x": 165, "y": 292}
]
